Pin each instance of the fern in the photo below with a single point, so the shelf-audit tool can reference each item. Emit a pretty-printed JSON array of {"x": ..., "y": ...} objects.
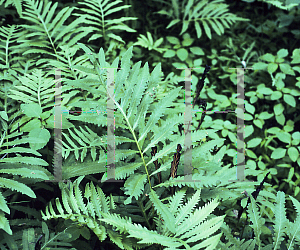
[
  {"x": 97, "y": 18},
  {"x": 28, "y": 240},
  {"x": 89, "y": 214},
  {"x": 49, "y": 32},
  {"x": 37, "y": 94},
  {"x": 280, "y": 220},
  {"x": 13, "y": 166},
  {"x": 147, "y": 42},
  {"x": 209, "y": 13},
  {"x": 16, "y": 3},
  {"x": 190, "y": 224},
  {"x": 9, "y": 37},
  {"x": 282, "y": 227},
  {"x": 280, "y": 5}
]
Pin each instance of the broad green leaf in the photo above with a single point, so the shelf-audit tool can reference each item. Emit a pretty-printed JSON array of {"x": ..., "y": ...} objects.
[
  {"x": 296, "y": 135},
  {"x": 31, "y": 109},
  {"x": 179, "y": 65},
  {"x": 260, "y": 66},
  {"x": 293, "y": 153},
  {"x": 278, "y": 109},
  {"x": 286, "y": 69},
  {"x": 187, "y": 42},
  {"x": 289, "y": 99},
  {"x": 272, "y": 67},
  {"x": 4, "y": 116},
  {"x": 282, "y": 53},
  {"x": 268, "y": 57},
  {"x": 276, "y": 95},
  {"x": 265, "y": 115},
  {"x": 249, "y": 108},
  {"x": 173, "y": 40},
  {"x": 278, "y": 153},
  {"x": 169, "y": 53},
  {"x": 182, "y": 54},
  {"x": 251, "y": 154},
  {"x": 280, "y": 119},
  {"x": 198, "y": 62},
  {"x": 258, "y": 123},
  {"x": 284, "y": 137},
  {"x": 254, "y": 142},
  {"x": 265, "y": 91},
  {"x": 248, "y": 117},
  {"x": 296, "y": 56},
  {"x": 197, "y": 51},
  {"x": 248, "y": 130},
  {"x": 39, "y": 133}
]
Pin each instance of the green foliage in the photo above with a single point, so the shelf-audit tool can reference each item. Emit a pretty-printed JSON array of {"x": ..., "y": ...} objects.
[
  {"x": 280, "y": 227},
  {"x": 29, "y": 241},
  {"x": 187, "y": 220},
  {"x": 208, "y": 13},
  {"x": 87, "y": 40},
  {"x": 147, "y": 42},
  {"x": 48, "y": 31},
  {"x": 13, "y": 166},
  {"x": 100, "y": 10}
]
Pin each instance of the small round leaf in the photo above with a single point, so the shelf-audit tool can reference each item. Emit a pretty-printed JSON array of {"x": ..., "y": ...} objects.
[
  {"x": 293, "y": 153},
  {"x": 254, "y": 142},
  {"x": 169, "y": 53},
  {"x": 268, "y": 57},
  {"x": 278, "y": 153},
  {"x": 197, "y": 51},
  {"x": 272, "y": 67},
  {"x": 278, "y": 109},
  {"x": 289, "y": 100},
  {"x": 282, "y": 53},
  {"x": 284, "y": 137},
  {"x": 182, "y": 54},
  {"x": 276, "y": 95}
]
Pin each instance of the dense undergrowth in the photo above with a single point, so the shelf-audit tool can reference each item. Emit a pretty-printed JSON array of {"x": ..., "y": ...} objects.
[{"x": 129, "y": 58}]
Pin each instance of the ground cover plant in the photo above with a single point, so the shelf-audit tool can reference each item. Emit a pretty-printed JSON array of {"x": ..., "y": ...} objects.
[{"x": 157, "y": 201}]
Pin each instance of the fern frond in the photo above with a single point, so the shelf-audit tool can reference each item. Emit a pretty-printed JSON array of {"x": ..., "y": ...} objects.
[
  {"x": 37, "y": 94},
  {"x": 88, "y": 213},
  {"x": 97, "y": 18},
  {"x": 47, "y": 30},
  {"x": 187, "y": 225},
  {"x": 17, "y": 185},
  {"x": 209, "y": 13},
  {"x": 256, "y": 219},
  {"x": 8, "y": 36},
  {"x": 16, "y": 3},
  {"x": 280, "y": 220},
  {"x": 34, "y": 89},
  {"x": 134, "y": 186},
  {"x": 280, "y": 5},
  {"x": 87, "y": 140},
  {"x": 147, "y": 42},
  {"x": 293, "y": 229}
]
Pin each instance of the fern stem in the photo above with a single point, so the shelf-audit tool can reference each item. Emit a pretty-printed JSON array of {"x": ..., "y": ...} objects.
[
  {"x": 132, "y": 132},
  {"x": 144, "y": 213}
]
